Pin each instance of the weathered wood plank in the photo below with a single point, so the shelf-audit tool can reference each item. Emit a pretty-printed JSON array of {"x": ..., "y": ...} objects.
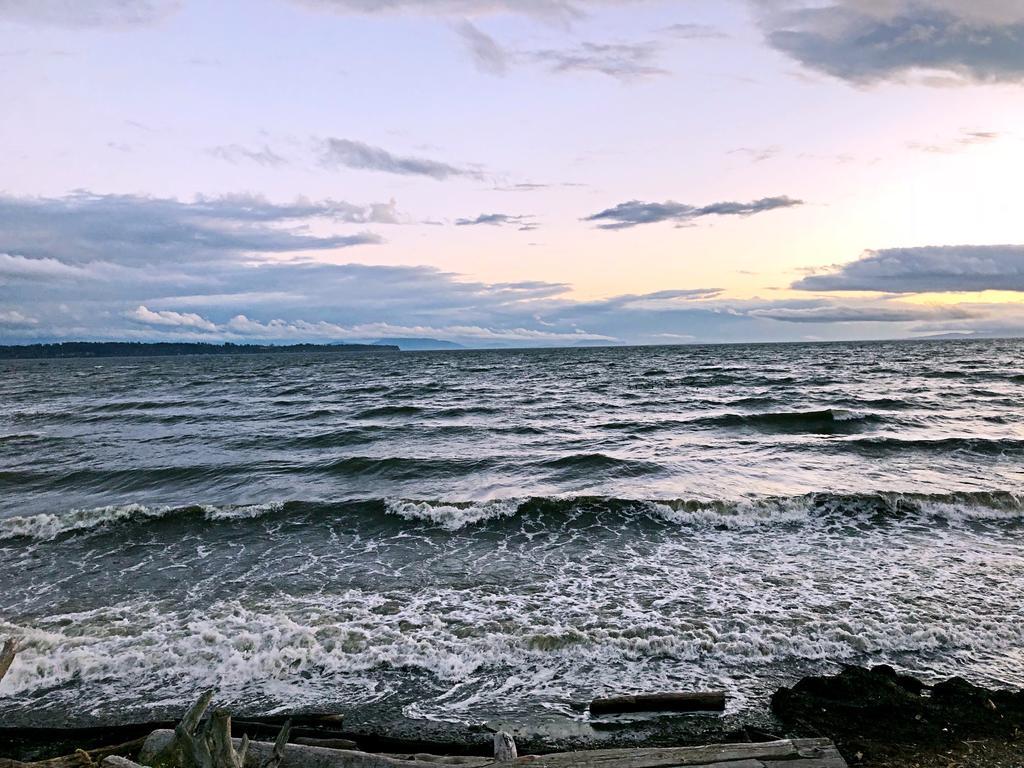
[
  {"x": 814, "y": 753},
  {"x": 309, "y": 741},
  {"x": 423, "y": 757},
  {"x": 295, "y": 755},
  {"x": 707, "y": 701},
  {"x": 811, "y": 743},
  {"x": 663, "y": 758}
]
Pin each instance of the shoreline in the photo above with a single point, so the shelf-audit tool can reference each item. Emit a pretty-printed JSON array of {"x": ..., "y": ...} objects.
[{"x": 876, "y": 717}]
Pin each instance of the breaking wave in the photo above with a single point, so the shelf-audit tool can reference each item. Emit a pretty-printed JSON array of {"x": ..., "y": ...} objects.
[{"x": 722, "y": 514}]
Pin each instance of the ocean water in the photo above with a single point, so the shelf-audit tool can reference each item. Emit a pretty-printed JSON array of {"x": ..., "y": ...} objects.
[{"x": 475, "y": 535}]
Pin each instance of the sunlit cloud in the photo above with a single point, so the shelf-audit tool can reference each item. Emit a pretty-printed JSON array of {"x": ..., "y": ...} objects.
[{"x": 933, "y": 269}]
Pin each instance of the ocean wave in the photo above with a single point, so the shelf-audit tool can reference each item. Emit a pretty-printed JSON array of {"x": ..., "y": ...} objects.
[
  {"x": 822, "y": 420},
  {"x": 455, "y": 515},
  {"x": 602, "y": 462},
  {"x": 452, "y": 516},
  {"x": 400, "y": 467},
  {"x": 242, "y": 511},
  {"x": 985, "y": 446},
  {"x": 360, "y": 644},
  {"x": 49, "y": 526},
  {"x": 388, "y": 411},
  {"x": 18, "y": 437},
  {"x": 336, "y": 438}
]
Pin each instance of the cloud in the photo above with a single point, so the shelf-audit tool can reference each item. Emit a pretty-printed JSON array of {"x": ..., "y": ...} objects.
[
  {"x": 695, "y": 32},
  {"x": 525, "y": 223},
  {"x": 931, "y": 269},
  {"x": 868, "y": 313},
  {"x": 867, "y": 41},
  {"x": 87, "y": 13},
  {"x": 563, "y": 10},
  {"x": 623, "y": 61},
  {"x": 635, "y": 213},
  {"x": 94, "y": 269},
  {"x": 535, "y": 187},
  {"x": 278, "y": 330},
  {"x": 143, "y": 314},
  {"x": 88, "y": 227},
  {"x": 15, "y": 266},
  {"x": 965, "y": 140},
  {"x": 236, "y": 153},
  {"x": 355, "y": 154},
  {"x": 757, "y": 154},
  {"x": 489, "y": 55},
  {"x": 275, "y": 301},
  {"x": 14, "y": 319}
]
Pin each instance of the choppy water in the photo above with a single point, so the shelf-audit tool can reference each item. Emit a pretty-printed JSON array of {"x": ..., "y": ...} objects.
[{"x": 501, "y": 534}]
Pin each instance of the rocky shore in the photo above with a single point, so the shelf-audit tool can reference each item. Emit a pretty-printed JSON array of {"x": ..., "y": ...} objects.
[
  {"x": 880, "y": 718},
  {"x": 876, "y": 717}
]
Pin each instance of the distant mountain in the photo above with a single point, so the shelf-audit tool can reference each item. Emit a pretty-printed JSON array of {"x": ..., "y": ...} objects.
[
  {"x": 419, "y": 345},
  {"x": 174, "y": 349}
]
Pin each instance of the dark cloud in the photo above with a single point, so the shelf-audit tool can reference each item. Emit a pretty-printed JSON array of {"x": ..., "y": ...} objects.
[
  {"x": 489, "y": 56},
  {"x": 867, "y": 42},
  {"x": 85, "y": 227},
  {"x": 87, "y": 13},
  {"x": 236, "y": 153},
  {"x": 524, "y": 223},
  {"x": 623, "y": 61},
  {"x": 360, "y": 156},
  {"x": 930, "y": 269},
  {"x": 635, "y": 213}
]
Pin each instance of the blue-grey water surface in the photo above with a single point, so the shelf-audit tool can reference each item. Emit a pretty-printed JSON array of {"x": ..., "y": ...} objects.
[{"x": 505, "y": 533}]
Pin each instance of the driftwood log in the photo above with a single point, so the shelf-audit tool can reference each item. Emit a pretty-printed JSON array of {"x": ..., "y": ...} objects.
[
  {"x": 198, "y": 744},
  {"x": 81, "y": 758},
  {"x": 712, "y": 701},
  {"x": 7, "y": 654},
  {"x": 504, "y": 747},
  {"x": 293, "y": 755}
]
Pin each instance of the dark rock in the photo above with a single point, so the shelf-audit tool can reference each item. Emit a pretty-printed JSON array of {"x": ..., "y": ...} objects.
[{"x": 861, "y": 707}]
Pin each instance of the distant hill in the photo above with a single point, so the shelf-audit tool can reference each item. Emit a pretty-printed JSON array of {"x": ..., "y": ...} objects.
[
  {"x": 175, "y": 349},
  {"x": 414, "y": 344}
]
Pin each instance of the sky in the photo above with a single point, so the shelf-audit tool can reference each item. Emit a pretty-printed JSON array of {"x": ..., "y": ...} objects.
[{"x": 511, "y": 172}]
